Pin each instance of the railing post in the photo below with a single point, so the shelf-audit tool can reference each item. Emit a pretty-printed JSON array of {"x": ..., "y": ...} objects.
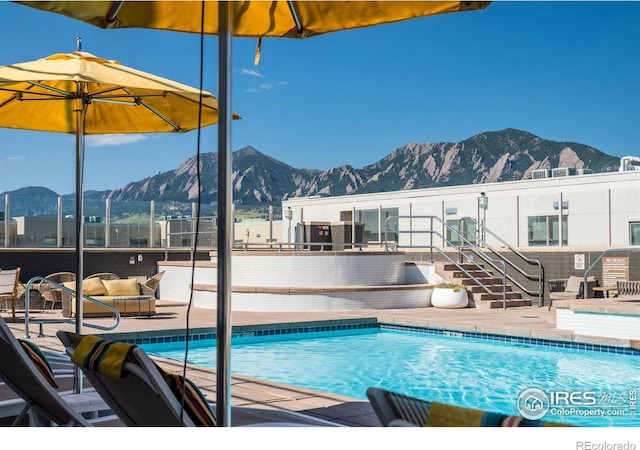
[
  {"x": 504, "y": 285},
  {"x": 431, "y": 242}
]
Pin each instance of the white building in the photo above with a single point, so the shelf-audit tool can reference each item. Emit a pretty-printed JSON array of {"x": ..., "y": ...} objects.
[{"x": 587, "y": 210}]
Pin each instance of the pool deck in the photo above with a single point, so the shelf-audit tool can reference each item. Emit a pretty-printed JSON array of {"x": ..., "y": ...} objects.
[{"x": 267, "y": 401}]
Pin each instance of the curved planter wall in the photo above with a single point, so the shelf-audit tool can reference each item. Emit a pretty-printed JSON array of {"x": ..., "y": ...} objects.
[
  {"x": 301, "y": 281},
  {"x": 300, "y": 269}
]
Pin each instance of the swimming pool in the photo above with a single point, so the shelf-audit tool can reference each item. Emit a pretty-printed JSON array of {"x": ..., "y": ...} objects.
[{"x": 586, "y": 387}]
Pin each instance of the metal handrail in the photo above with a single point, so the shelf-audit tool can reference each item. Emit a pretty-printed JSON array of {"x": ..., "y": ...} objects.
[
  {"x": 461, "y": 254},
  {"x": 539, "y": 278},
  {"x": 27, "y": 320}
]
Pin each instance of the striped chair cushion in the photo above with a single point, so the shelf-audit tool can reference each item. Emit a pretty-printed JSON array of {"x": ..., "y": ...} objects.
[
  {"x": 108, "y": 358},
  {"x": 442, "y": 415},
  {"x": 40, "y": 361},
  {"x": 195, "y": 403}
]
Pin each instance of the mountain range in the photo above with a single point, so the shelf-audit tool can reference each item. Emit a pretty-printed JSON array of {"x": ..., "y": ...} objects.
[{"x": 259, "y": 180}]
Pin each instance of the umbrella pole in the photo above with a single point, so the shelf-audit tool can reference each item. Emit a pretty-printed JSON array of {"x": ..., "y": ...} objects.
[
  {"x": 225, "y": 199},
  {"x": 80, "y": 119}
]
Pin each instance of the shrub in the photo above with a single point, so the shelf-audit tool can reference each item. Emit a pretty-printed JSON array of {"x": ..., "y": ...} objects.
[{"x": 455, "y": 287}]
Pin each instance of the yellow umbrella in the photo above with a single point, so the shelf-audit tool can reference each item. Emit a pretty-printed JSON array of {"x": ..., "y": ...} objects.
[
  {"x": 82, "y": 94},
  {"x": 45, "y": 94},
  {"x": 294, "y": 19}
]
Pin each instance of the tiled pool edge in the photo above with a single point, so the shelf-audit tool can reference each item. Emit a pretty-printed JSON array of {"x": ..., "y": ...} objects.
[
  {"x": 263, "y": 330},
  {"x": 197, "y": 334},
  {"x": 514, "y": 339}
]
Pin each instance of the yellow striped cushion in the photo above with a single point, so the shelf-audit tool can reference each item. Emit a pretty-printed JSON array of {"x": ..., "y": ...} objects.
[
  {"x": 443, "y": 415},
  {"x": 99, "y": 355}
]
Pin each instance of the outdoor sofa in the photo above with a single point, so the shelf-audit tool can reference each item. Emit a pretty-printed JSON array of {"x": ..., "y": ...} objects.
[{"x": 124, "y": 294}]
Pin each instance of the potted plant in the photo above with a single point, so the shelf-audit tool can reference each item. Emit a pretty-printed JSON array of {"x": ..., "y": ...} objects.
[{"x": 449, "y": 295}]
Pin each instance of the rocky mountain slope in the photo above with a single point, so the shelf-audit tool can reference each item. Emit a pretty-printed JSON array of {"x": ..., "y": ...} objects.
[{"x": 259, "y": 180}]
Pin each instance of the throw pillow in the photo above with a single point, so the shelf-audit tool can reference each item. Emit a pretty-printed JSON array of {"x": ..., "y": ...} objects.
[
  {"x": 90, "y": 286},
  {"x": 93, "y": 286},
  {"x": 125, "y": 286},
  {"x": 573, "y": 284}
]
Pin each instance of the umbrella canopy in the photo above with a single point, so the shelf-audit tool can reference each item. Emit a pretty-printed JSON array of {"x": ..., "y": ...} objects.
[
  {"x": 79, "y": 93},
  {"x": 43, "y": 95},
  {"x": 293, "y": 19}
]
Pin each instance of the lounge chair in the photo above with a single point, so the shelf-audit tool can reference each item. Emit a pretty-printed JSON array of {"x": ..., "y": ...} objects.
[
  {"x": 150, "y": 286},
  {"x": 9, "y": 281},
  {"x": 571, "y": 288},
  {"x": 103, "y": 276},
  {"x": 398, "y": 410},
  {"x": 138, "y": 392},
  {"x": 25, "y": 370},
  {"x": 50, "y": 292}
]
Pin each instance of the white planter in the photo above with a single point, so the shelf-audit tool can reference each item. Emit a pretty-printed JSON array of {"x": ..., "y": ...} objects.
[{"x": 448, "y": 298}]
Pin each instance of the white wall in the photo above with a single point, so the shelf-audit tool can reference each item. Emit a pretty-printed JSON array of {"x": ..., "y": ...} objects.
[{"x": 599, "y": 211}]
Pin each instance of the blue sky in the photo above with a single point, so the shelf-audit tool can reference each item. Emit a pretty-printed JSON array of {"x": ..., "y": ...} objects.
[{"x": 565, "y": 71}]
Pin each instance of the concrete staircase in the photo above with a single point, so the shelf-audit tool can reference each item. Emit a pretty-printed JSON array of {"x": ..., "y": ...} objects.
[{"x": 480, "y": 296}]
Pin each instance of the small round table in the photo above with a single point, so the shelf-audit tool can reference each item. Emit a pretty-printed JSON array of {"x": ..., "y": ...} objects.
[{"x": 606, "y": 290}]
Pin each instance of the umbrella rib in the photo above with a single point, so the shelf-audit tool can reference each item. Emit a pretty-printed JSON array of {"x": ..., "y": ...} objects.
[
  {"x": 45, "y": 95},
  {"x": 112, "y": 14},
  {"x": 106, "y": 91},
  {"x": 139, "y": 101},
  {"x": 13, "y": 98},
  {"x": 100, "y": 95},
  {"x": 133, "y": 99},
  {"x": 295, "y": 16},
  {"x": 162, "y": 117},
  {"x": 50, "y": 88}
]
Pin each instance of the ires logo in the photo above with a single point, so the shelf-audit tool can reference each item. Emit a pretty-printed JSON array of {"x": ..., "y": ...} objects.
[
  {"x": 534, "y": 403},
  {"x": 578, "y": 398}
]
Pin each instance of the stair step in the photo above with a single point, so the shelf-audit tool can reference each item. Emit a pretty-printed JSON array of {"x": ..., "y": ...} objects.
[
  {"x": 485, "y": 281},
  {"x": 474, "y": 273},
  {"x": 448, "y": 267},
  {"x": 480, "y": 296},
  {"x": 497, "y": 296},
  {"x": 496, "y": 288},
  {"x": 494, "y": 304}
]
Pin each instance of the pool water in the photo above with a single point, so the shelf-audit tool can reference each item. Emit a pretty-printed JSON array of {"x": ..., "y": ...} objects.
[{"x": 470, "y": 372}]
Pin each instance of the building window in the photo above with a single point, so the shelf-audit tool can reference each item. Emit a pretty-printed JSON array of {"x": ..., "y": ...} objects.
[
  {"x": 371, "y": 224},
  {"x": 544, "y": 231},
  {"x": 634, "y": 233},
  {"x": 454, "y": 232}
]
